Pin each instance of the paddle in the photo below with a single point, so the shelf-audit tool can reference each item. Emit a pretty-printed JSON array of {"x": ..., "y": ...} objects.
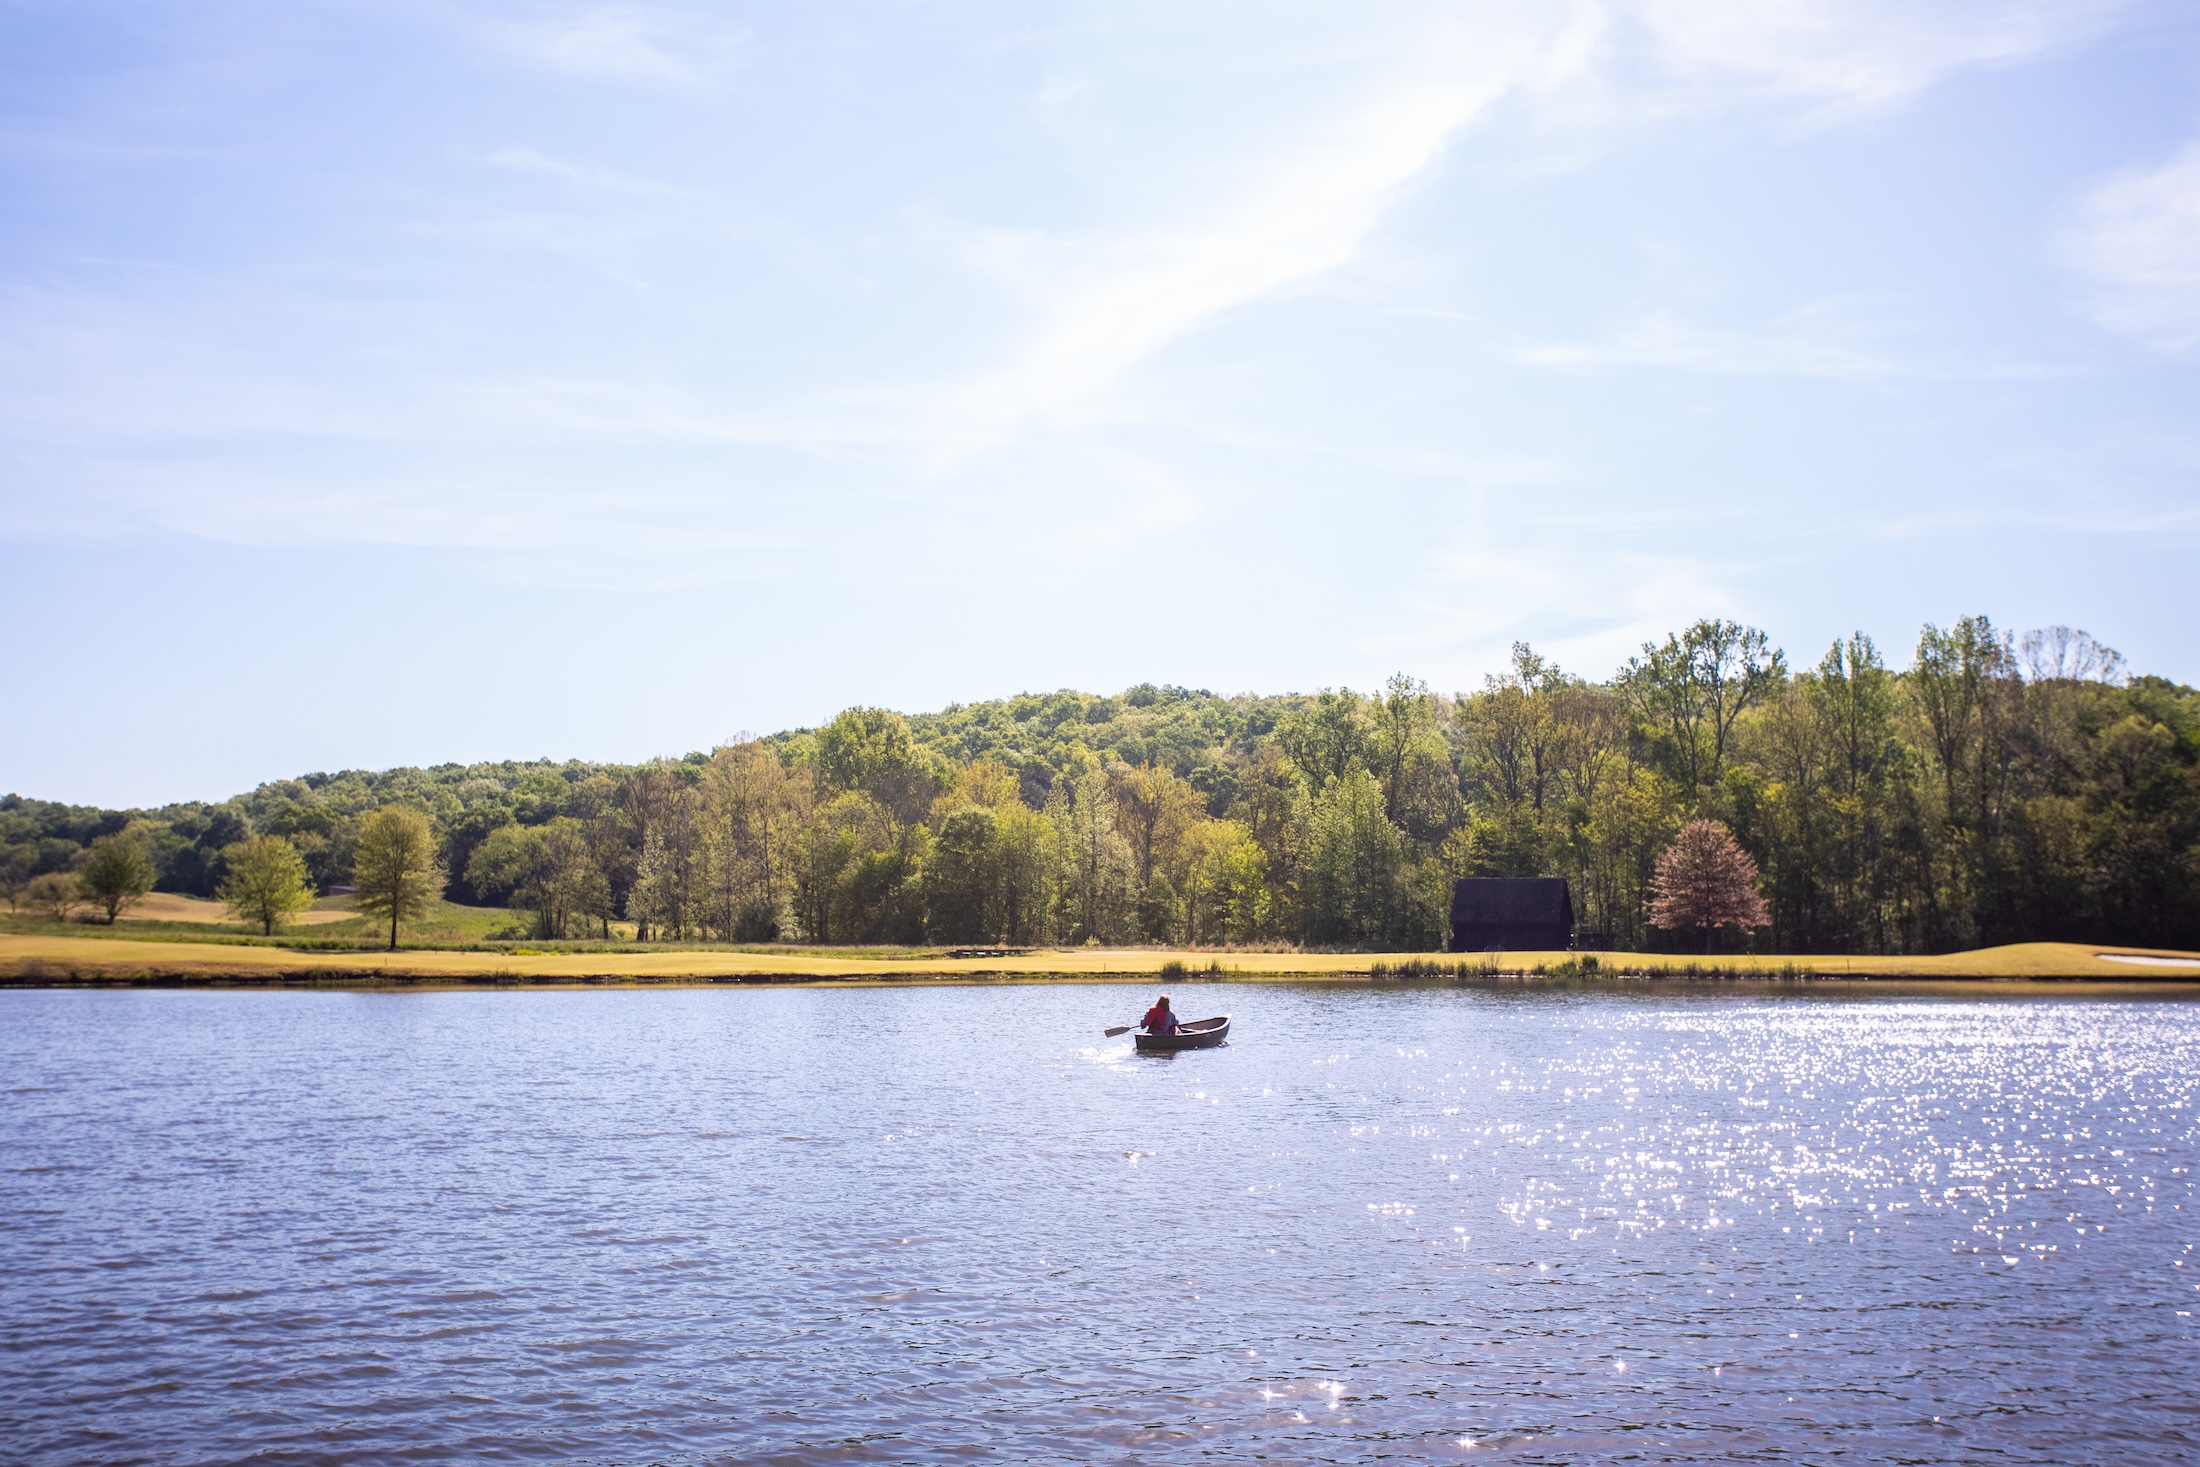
[{"x": 1118, "y": 1029}]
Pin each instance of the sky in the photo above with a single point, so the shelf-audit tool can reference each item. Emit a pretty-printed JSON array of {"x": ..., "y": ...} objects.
[{"x": 427, "y": 380}]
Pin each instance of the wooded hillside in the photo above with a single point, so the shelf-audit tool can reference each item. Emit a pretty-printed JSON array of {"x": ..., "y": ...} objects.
[{"x": 1999, "y": 789}]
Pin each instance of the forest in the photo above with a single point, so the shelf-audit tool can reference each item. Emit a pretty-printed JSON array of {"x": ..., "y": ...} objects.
[{"x": 2000, "y": 788}]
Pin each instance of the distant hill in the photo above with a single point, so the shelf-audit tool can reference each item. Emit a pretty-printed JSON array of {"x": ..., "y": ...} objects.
[
  {"x": 1034, "y": 734},
  {"x": 1998, "y": 790}
]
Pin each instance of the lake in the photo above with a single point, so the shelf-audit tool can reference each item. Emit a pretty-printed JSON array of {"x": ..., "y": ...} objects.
[{"x": 953, "y": 1224}]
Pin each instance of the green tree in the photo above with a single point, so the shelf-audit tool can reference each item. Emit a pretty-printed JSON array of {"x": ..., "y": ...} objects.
[
  {"x": 1098, "y": 867},
  {"x": 1963, "y": 682},
  {"x": 1403, "y": 714},
  {"x": 1853, "y": 697},
  {"x": 1354, "y": 857},
  {"x": 1695, "y": 688},
  {"x": 500, "y": 862},
  {"x": 754, "y": 829},
  {"x": 394, "y": 869},
  {"x": 961, "y": 878},
  {"x": 564, "y": 887},
  {"x": 1617, "y": 846},
  {"x": 1153, "y": 811},
  {"x": 266, "y": 881},
  {"x": 878, "y": 896},
  {"x": 665, "y": 896},
  {"x": 1966, "y": 689},
  {"x": 1514, "y": 731},
  {"x": 117, "y": 874},
  {"x": 1247, "y": 898},
  {"x": 15, "y": 872},
  {"x": 1223, "y": 886},
  {"x": 56, "y": 894},
  {"x": 1028, "y": 866},
  {"x": 549, "y": 870},
  {"x": 870, "y": 749},
  {"x": 1326, "y": 736}
]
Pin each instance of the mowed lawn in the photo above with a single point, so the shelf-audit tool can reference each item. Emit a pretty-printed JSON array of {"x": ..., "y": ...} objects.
[{"x": 58, "y": 956}]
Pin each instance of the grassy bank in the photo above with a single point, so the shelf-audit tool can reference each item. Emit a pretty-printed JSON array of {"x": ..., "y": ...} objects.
[{"x": 64, "y": 958}]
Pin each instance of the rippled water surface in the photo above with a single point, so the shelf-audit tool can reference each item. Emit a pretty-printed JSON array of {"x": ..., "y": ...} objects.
[{"x": 955, "y": 1224}]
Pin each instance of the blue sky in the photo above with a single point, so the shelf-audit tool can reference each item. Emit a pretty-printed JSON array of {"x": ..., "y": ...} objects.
[{"x": 408, "y": 381}]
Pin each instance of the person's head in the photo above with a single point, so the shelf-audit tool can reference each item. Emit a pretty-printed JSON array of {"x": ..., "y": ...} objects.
[{"x": 1161, "y": 1002}]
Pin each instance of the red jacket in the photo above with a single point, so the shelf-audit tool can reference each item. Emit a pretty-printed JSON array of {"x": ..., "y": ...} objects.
[{"x": 1159, "y": 1021}]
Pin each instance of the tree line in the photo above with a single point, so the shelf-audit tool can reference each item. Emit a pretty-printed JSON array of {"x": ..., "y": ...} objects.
[{"x": 1999, "y": 788}]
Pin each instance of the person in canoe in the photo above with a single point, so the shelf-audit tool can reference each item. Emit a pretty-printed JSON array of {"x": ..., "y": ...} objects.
[{"x": 1159, "y": 1019}]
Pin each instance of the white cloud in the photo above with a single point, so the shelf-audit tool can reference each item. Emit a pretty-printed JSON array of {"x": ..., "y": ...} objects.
[
  {"x": 1226, "y": 158},
  {"x": 1853, "y": 55},
  {"x": 2138, "y": 237},
  {"x": 1304, "y": 204},
  {"x": 1104, "y": 300},
  {"x": 1832, "y": 339},
  {"x": 625, "y": 43},
  {"x": 1662, "y": 340}
]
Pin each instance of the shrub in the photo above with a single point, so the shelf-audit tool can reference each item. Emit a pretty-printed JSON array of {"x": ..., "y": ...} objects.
[{"x": 55, "y": 895}]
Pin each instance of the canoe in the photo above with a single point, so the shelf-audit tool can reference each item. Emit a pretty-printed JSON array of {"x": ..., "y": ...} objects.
[{"x": 1199, "y": 1034}]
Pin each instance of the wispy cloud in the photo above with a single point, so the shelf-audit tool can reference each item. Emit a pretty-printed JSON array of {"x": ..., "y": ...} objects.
[
  {"x": 1106, "y": 300},
  {"x": 2138, "y": 237},
  {"x": 1316, "y": 141},
  {"x": 625, "y": 43},
  {"x": 1662, "y": 340},
  {"x": 1831, "y": 339},
  {"x": 1851, "y": 56},
  {"x": 527, "y": 160}
]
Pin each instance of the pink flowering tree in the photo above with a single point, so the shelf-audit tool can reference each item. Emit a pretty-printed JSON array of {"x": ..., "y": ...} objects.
[{"x": 1705, "y": 879}]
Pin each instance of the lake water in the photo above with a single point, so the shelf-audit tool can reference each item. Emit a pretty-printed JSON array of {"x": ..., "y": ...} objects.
[{"x": 955, "y": 1224}]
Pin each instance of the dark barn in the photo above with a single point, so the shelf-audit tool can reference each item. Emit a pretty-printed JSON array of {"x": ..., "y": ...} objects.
[{"x": 1512, "y": 914}]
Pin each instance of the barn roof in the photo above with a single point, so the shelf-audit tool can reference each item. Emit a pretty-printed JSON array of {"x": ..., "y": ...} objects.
[{"x": 1493, "y": 899}]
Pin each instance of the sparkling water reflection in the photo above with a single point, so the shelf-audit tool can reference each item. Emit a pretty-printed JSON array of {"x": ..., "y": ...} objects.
[{"x": 912, "y": 1225}]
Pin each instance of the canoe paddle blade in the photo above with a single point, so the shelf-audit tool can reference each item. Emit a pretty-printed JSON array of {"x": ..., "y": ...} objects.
[{"x": 1118, "y": 1029}]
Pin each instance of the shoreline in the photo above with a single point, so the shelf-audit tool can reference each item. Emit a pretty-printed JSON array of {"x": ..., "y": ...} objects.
[{"x": 50, "y": 962}]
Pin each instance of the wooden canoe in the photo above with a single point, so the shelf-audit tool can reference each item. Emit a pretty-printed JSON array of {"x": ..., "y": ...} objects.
[{"x": 1199, "y": 1034}]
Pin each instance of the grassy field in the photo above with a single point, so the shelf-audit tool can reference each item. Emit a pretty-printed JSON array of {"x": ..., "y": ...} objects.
[
  {"x": 330, "y": 922},
  {"x": 168, "y": 907},
  {"x": 70, "y": 956}
]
